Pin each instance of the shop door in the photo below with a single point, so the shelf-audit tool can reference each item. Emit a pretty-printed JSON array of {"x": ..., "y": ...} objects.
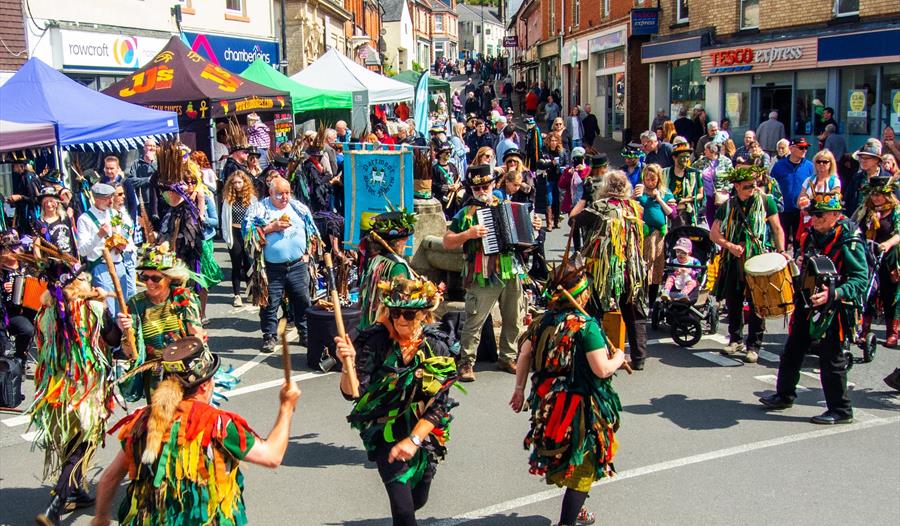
[{"x": 770, "y": 98}]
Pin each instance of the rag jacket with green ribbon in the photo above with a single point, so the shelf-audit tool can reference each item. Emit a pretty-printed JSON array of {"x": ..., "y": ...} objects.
[
  {"x": 743, "y": 223},
  {"x": 196, "y": 478},
  {"x": 574, "y": 414},
  {"x": 613, "y": 252},
  {"x": 395, "y": 396},
  {"x": 73, "y": 395}
]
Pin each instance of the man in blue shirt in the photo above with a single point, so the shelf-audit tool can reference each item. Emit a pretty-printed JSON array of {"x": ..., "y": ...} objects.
[
  {"x": 790, "y": 173},
  {"x": 633, "y": 163},
  {"x": 508, "y": 142},
  {"x": 288, "y": 227}
]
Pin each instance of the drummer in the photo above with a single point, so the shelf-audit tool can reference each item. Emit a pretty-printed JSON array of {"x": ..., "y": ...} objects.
[{"x": 745, "y": 226}]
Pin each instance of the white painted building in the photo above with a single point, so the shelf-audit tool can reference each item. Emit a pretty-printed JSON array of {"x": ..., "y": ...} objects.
[
  {"x": 480, "y": 30},
  {"x": 399, "y": 39}
]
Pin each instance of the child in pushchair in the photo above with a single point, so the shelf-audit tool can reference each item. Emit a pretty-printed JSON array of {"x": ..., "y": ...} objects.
[
  {"x": 681, "y": 283},
  {"x": 685, "y": 303}
]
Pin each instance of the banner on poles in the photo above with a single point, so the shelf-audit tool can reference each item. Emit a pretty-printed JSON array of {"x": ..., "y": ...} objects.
[{"x": 372, "y": 180}]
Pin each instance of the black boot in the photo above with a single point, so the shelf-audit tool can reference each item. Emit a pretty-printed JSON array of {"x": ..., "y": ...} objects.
[
  {"x": 51, "y": 516},
  {"x": 79, "y": 499}
]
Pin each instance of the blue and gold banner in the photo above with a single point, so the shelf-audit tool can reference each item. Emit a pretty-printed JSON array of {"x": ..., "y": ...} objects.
[{"x": 374, "y": 179}]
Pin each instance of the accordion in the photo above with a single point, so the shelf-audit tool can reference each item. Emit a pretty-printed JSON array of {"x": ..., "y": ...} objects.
[
  {"x": 818, "y": 272},
  {"x": 508, "y": 225}
]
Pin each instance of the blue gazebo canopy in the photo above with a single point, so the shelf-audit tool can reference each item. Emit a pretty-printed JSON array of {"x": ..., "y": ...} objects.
[{"x": 83, "y": 117}]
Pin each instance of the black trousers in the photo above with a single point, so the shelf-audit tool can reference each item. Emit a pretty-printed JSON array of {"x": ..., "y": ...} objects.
[
  {"x": 790, "y": 222},
  {"x": 240, "y": 261},
  {"x": 404, "y": 498},
  {"x": 887, "y": 292},
  {"x": 20, "y": 329},
  {"x": 635, "y": 328},
  {"x": 734, "y": 302},
  {"x": 832, "y": 363}
]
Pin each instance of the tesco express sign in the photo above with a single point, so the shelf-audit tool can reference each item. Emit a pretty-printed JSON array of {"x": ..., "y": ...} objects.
[{"x": 749, "y": 56}]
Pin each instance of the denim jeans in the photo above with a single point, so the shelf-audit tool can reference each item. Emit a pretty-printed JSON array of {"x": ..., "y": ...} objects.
[
  {"x": 577, "y": 143},
  {"x": 293, "y": 279},
  {"x": 101, "y": 278}
]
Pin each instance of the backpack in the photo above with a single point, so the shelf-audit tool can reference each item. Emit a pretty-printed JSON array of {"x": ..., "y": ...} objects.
[{"x": 11, "y": 374}]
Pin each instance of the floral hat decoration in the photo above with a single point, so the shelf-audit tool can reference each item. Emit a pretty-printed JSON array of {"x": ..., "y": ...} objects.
[
  {"x": 740, "y": 174},
  {"x": 882, "y": 184},
  {"x": 158, "y": 257},
  {"x": 395, "y": 223},
  {"x": 410, "y": 294},
  {"x": 827, "y": 202}
]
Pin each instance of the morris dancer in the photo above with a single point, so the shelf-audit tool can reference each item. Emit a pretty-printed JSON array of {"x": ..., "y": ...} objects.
[
  {"x": 879, "y": 221},
  {"x": 394, "y": 227},
  {"x": 686, "y": 184},
  {"x": 825, "y": 316},
  {"x": 405, "y": 372},
  {"x": 614, "y": 240},
  {"x": 572, "y": 379},
  {"x": 745, "y": 226},
  {"x": 445, "y": 182},
  {"x": 73, "y": 396},
  {"x": 182, "y": 455}
]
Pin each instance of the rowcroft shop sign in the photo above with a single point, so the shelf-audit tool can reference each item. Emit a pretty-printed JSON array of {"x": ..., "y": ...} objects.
[{"x": 776, "y": 56}]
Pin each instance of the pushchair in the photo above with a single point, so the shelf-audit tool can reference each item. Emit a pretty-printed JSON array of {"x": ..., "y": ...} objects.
[
  {"x": 686, "y": 317},
  {"x": 866, "y": 340}
]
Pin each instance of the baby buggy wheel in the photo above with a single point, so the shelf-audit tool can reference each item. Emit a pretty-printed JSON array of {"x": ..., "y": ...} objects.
[
  {"x": 869, "y": 347},
  {"x": 687, "y": 332},
  {"x": 656, "y": 315}
]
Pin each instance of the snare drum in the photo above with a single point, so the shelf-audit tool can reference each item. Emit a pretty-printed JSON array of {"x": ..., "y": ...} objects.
[
  {"x": 771, "y": 287},
  {"x": 33, "y": 290}
]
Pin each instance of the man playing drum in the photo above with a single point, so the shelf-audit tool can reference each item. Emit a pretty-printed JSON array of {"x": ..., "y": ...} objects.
[{"x": 745, "y": 226}]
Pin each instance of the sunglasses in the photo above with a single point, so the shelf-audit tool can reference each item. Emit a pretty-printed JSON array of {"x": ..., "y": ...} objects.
[
  {"x": 818, "y": 214},
  {"x": 120, "y": 194},
  {"x": 801, "y": 147},
  {"x": 823, "y": 161},
  {"x": 481, "y": 187},
  {"x": 408, "y": 315},
  {"x": 152, "y": 279}
]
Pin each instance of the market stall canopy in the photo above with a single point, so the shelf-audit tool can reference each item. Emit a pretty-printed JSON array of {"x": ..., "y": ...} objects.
[
  {"x": 435, "y": 84},
  {"x": 303, "y": 98},
  {"x": 180, "y": 80},
  {"x": 335, "y": 70},
  {"x": 83, "y": 117},
  {"x": 20, "y": 136}
]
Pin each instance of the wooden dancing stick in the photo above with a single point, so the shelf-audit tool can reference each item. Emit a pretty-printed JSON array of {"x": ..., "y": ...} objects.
[
  {"x": 130, "y": 344},
  {"x": 348, "y": 365},
  {"x": 384, "y": 243},
  {"x": 285, "y": 349},
  {"x": 612, "y": 349}
]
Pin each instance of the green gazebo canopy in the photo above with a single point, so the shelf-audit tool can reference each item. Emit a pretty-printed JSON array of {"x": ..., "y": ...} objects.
[
  {"x": 435, "y": 85},
  {"x": 303, "y": 98}
]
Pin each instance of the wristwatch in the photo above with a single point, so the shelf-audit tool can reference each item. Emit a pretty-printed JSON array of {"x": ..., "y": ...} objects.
[{"x": 415, "y": 440}]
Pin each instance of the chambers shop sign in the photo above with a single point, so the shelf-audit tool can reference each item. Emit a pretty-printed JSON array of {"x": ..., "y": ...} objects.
[
  {"x": 233, "y": 54},
  {"x": 774, "y": 56}
]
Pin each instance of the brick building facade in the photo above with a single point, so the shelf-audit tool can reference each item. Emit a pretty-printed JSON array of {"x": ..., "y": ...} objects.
[
  {"x": 740, "y": 59},
  {"x": 14, "y": 51}
]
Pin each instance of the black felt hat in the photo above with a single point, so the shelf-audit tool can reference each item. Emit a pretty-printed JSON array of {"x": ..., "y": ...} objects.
[
  {"x": 479, "y": 174},
  {"x": 599, "y": 161}
]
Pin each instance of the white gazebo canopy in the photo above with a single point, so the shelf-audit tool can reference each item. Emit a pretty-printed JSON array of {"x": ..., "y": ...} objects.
[{"x": 333, "y": 71}]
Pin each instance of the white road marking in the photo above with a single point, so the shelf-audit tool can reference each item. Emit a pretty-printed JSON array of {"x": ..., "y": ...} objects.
[
  {"x": 249, "y": 365},
  {"x": 771, "y": 379},
  {"x": 814, "y": 374},
  {"x": 29, "y": 436},
  {"x": 528, "y": 500},
  {"x": 718, "y": 359},
  {"x": 17, "y": 420},
  {"x": 273, "y": 383}
]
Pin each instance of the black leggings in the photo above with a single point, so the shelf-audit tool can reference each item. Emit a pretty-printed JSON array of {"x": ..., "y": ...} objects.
[
  {"x": 71, "y": 479},
  {"x": 404, "y": 498},
  {"x": 572, "y": 503},
  {"x": 240, "y": 261}
]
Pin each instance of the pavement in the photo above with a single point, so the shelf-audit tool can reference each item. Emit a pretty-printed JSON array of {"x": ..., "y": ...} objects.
[{"x": 695, "y": 447}]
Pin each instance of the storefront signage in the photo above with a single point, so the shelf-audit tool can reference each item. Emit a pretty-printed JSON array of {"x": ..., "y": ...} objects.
[
  {"x": 644, "y": 21},
  {"x": 796, "y": 54},
  {"x": 233, "y": 54},
  {"x": 895, "y": 109},
  {"x": 103, "y": 51},
  {"x": 574, "y": 51},
  {"x": 511, "y": 41},
  {"x": 602, "y": 43},
  {"x": 857, "y": 116},
  {"x": 284, "y": 127}
]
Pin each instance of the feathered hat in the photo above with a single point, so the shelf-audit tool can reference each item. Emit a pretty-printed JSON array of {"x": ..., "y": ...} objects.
[
  {"x": 745, "y": 173},
  {"x": 412, "y": 294}
]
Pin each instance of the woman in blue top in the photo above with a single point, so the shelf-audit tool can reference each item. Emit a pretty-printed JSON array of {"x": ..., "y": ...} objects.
[
  {"x": 209, "y": 219},
  {"x": 659, "y": 203}
]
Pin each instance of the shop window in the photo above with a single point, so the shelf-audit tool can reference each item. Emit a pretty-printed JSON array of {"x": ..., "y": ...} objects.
[
  {"x": 856, "y": 116},
  {"x": 749, "y": 14},
  {"x": 688, "y": 88},
  {"x": 890, "y": 98},
  {"x": 810, "y": 103},
  {"x": 737, "y": 104},
  {"x": 846, "y": 7},
  {"x": 681, "y": 11}
]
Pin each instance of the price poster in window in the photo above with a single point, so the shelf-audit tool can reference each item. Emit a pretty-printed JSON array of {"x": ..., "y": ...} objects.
[{"x": 856, "y": 112}]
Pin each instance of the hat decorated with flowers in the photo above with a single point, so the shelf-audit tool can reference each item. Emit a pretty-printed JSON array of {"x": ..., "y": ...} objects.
[
  {"x": 403, "y": 293},
  {"x": 632, "y": 151},
  {"x": 680, "y": 148},
  {"x": 881, "y": 184},
  {"x": 744, "y": 173},
  {"x": 158, "y": 257},
  {"x": 827, "y": 202},
  {"x": 393, "y": 224}
]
